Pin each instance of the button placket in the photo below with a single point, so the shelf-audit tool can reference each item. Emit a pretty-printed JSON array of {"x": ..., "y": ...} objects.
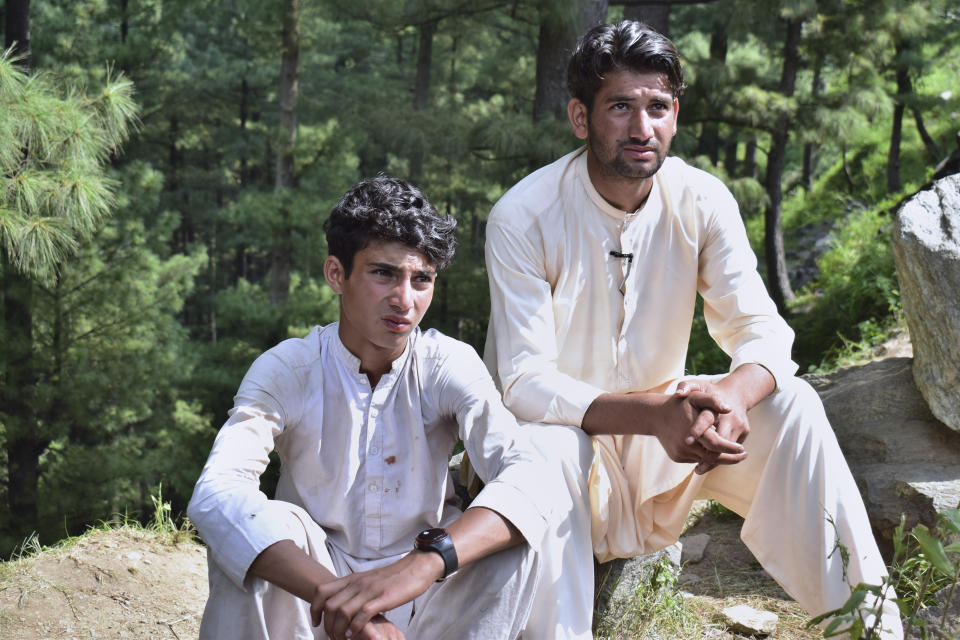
[{"x": 373, "y": 496}]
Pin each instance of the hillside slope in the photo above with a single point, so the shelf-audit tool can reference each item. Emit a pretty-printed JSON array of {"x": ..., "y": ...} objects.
[{"x": 120, "y": 583}]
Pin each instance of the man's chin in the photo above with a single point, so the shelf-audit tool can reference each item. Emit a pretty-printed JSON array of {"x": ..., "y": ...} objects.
[{"x": 639, "y": 171}]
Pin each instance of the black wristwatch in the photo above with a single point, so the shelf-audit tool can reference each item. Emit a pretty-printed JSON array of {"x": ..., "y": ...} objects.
[{"x": 438, "y": 541}]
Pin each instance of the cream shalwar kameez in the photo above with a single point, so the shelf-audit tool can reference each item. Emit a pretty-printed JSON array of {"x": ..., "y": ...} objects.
[
  {"x": 363, "y": 470},
  {"x": 561, "y": 333}
]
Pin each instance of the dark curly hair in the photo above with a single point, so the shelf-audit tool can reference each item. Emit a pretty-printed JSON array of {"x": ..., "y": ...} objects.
[
  {"x": 628, "y": 45},
  {"x": 386, "y": 209}
]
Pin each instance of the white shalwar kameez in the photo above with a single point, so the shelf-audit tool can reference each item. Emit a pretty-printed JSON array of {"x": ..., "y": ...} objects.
[
  {"x": 363, "y": 469},
  {"x": 562, "y": 333}
]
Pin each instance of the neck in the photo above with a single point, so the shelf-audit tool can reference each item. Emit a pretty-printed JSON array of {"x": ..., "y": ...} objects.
[
  {"x": 626, "y": 194},
  {"x": 375, "y": 362}
]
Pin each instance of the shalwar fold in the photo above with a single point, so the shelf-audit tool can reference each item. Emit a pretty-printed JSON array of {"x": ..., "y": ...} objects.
[{"x": 488, "y": 600}]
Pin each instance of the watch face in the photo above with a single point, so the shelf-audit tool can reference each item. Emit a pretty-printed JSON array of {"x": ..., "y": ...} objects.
[{"x": 431, "y": 536}]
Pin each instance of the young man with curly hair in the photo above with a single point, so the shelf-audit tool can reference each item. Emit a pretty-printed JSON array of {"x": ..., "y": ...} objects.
[{"x": 365, "y": 536}]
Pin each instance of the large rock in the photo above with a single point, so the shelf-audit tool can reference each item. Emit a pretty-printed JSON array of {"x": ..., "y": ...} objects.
[
  {"x": 903, "y": 459},
  {"x": 937, "y": 624},
  {"x": 618, "y": 582},
  {"x": 926, "y": 248}
]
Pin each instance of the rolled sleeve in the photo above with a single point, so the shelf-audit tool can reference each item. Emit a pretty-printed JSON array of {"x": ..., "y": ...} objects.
[
  {"x": 514, "y": 505},
  {"x": 513, "y": 472},
  {"x": 227, "y": 507}
]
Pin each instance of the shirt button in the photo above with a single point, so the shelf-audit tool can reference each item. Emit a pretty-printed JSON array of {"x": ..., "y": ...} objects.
[
  {"x": 372, "y": 487},
  {"x": 374, "y": 451},
  {"x": 373, "y": 413}
]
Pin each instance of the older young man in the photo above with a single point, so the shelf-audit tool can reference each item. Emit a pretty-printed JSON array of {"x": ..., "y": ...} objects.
[
  {"x": 595, "y": 262},
  {"x": 364, "y": 536}
]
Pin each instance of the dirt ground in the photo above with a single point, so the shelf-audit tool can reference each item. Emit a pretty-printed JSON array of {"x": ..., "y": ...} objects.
[
  {"x": 728, "y": 575},
  {"x": 122, "y": 583},
  {"x": 133, "y": 584}
]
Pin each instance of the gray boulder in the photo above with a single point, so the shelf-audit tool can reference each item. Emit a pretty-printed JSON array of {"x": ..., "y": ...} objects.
[
  {"x": 903, "y": 459},
  {"x": 617, "y": 582},
  {"x": 926, "y": 248},
  {"x": 936, "y": 623}
]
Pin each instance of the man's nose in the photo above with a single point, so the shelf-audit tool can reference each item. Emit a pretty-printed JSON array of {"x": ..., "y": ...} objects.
[
  {"x": 641, "y": 125},
  {"x": 403, "y": 294}
]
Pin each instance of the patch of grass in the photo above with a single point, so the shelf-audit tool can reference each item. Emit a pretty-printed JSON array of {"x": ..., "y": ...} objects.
[
  {"x": 721, "y": 513},
  {"x": 857, "y": 297},
  {"x": 161, "y": 522},
  {"x": 656, "y": 610}
]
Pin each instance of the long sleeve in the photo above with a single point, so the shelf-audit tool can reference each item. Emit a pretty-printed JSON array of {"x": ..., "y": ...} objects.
[
  {"x": 739, "y": 313},
  {"x": 522, "y": 338},
  {"x": 227, "y": 506},
  {"x": 516, "y": 481}
]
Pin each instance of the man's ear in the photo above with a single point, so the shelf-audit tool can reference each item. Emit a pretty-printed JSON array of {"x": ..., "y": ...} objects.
[
  {"x": 676, "y": 114},
  {"x": 334, "y": 274},
  {"x": 577, "y": 114}
]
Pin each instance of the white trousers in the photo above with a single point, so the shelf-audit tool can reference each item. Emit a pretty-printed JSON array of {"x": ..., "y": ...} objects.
[
  {"x": 490, "y": 599},
  {"x": 793, "y": 479}
]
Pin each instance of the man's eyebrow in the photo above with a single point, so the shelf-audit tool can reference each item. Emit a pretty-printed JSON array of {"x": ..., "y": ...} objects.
[
  {"x": 392, "y": 267},
  {"x": 632, "y": 98}
]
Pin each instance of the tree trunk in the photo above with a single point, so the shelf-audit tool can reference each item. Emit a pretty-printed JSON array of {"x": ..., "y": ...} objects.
[
  {"x": 709, "y": 142},
  {"x": 893, "y": 153},
  {"x": 559, "y": 31},
  {"x": 777, "y": 279},
  {"x": 124, "y": 21},
  {"x": 24, "y": 443},
  {"x": 244, "y": 98},
  {"x": 730, "y": 148},
  {"x": 280, "y": 253},
  {"x": 17, "y": 29},
  {"x": 808, "y": 147},
  {"x": 932, "y": 149},
  {"x": 654, "y": 14},
  {"x": 421, "y": 91},
  {"x": 750, "y": 158},
  {"x": 896, "y": 130}
]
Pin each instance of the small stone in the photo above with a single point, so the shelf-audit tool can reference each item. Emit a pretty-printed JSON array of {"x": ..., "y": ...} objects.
[
  {"x": 744, "y": 619},
  {"x": 693, "y": 548}
]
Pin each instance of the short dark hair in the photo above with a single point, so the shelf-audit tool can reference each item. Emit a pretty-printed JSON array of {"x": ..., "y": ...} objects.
[
  {"x": 627, "y": 45},
  {"x": 386, "y": 209}
]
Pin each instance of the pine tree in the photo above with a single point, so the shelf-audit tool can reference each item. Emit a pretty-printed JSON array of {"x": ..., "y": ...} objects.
[{"x": 55, "y": 145}]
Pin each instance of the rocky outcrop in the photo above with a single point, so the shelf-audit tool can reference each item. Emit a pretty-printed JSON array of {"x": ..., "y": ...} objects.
[
  {"x": 926, "y": 248},
  {"x": 903, "y": 458}
]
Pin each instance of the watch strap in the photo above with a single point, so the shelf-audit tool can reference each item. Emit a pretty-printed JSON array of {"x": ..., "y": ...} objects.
[{"x": 440, "y": 542}]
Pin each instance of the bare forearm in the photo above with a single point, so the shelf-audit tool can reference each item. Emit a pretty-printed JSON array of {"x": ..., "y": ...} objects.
[
  {"x": 618, "y": 413},
  {"x": 287, "y": 566},
  {"x": 749, "y": 383},
  {"x": 480, "y": 532}
]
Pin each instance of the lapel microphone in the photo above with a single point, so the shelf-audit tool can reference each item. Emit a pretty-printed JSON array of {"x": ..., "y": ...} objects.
[{"x": 629, "y": 258}]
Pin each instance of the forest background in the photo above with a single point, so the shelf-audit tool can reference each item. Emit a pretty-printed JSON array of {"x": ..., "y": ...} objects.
[{"x": 166, "y": 165}]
